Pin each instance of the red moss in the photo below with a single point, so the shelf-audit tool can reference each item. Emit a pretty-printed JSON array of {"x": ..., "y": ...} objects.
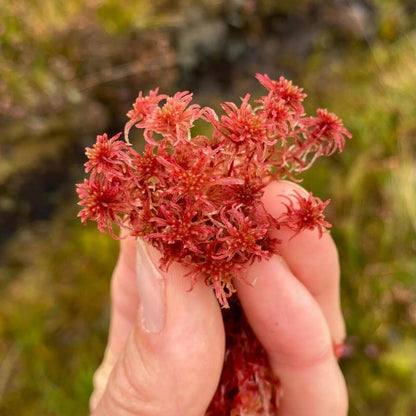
[
  {"x": 304, "y": 213},
  {"x": 198, "y": 201},
  {"x": 247, "y": 385}
]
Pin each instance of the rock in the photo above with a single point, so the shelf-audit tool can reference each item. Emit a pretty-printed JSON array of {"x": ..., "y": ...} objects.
[{"x": 355, "y": 18}]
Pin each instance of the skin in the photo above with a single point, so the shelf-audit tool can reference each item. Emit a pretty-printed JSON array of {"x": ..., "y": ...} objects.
[{"x": 293, "y": 308}]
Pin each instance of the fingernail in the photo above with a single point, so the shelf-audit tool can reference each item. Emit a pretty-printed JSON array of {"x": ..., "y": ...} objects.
[
  {"x": 151, "y": 286},
  {"x": 339, "y": 350}
]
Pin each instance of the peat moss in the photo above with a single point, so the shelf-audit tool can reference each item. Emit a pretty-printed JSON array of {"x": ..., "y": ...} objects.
[{"x": 58, "y": 89}]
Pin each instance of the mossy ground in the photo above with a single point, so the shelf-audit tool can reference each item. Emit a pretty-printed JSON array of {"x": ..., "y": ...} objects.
[{"x": 58, "y": 92}]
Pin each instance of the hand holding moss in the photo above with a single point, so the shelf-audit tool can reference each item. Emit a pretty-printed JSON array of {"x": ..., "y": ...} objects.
[
  {"x": 168, "y": 356},
  {"x": 217, "y": 211}
]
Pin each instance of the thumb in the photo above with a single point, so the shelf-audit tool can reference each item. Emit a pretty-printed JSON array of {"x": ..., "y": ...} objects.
[{"x": 172, "y": 360}]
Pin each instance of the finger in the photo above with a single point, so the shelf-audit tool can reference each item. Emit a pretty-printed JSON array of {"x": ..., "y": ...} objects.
[
  {"x": 313, "y": 260},
  {"x": 124, "y": 296},
  {"x": 124, "y": 307},
  {"x": 165, "y": 372},
  {"x": 291, "y": 327}
]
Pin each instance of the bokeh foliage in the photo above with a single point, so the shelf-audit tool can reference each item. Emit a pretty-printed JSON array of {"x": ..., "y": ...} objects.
[{"x": 70, "y": 70}]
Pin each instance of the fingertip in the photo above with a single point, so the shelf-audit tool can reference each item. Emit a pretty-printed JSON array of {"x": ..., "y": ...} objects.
[
  {"x": 312, "y": 258},
  {"x": 128, "y": 251},
  {"x": 274, "y": 192}
]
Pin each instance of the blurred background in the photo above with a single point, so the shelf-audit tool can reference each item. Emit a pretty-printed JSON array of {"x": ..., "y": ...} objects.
[{"x": 70, "y": 70}]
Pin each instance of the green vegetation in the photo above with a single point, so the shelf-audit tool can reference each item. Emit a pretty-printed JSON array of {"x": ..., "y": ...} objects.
[
  {"x": 69, "y": 70},
  {"x": 373, "y": 190}
]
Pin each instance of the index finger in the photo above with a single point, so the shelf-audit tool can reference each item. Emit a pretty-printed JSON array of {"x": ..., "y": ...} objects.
[
  {"x": 312, "y": 258},
  {"x": 291, "y": 327}
]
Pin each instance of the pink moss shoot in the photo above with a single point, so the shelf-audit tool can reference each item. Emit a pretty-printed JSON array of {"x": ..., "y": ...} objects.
[{"x": 198, "y": 199}]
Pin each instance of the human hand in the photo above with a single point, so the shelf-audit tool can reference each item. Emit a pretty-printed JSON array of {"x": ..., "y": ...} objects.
[
  {"x": 165, "y": 348},
  {"x": 293, "y": 308}
]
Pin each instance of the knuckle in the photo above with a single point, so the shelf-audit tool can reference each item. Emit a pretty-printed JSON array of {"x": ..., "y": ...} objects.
[
  {"x": 306, "y": 341},
  {"x": 125, "y": 395}
]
